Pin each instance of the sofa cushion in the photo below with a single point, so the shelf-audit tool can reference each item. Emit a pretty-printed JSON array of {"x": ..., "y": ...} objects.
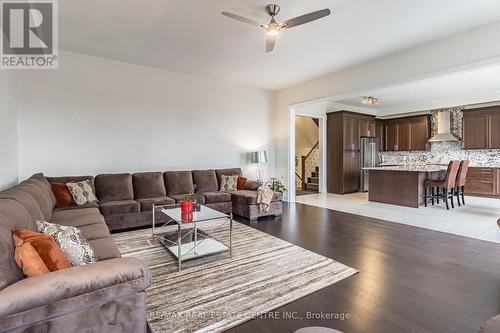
[
  {"x": 63, "y": 195},
  {"x": 71, "y": 241},
  {"x": 147, "y": 203},
  {"x": 78, "y": 217},
  {"x": 148, "y": 185},
  {"x": 87, "y": 205},
  {"x": 10, "y": 272},
  {"x": 81, "y": 192},
  {"x": 119, "y": 207},
  {"x": 46, "y": 249},
  {"x": 16, "y": 215},
  {"x": 228, "y": 183},
  {"x": 114, "y": 187},
  {"x": 72, "y": 179},
  {"x": 105, "y": 248},
  {"x": 178, "y": 182},
  {"x": 250, "y": 197},
  {"x": 178, "y": 197},
  {"x": 205, "y": 180},
  {"x": 94, "y": 231},
  {"x": 216, "y": 197},
  {"x": 241, "y": 183},
  {"x": 41, "y": 191},
  {"x": 228, "y": 172},
  {"x": 26, "y": 200}
]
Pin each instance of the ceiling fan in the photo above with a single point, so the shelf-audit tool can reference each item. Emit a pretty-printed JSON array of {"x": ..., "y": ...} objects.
[{"x": 273, "y": 28}]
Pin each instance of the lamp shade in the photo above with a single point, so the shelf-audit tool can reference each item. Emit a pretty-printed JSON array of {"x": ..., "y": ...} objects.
[{"x": 258, "y": 156}]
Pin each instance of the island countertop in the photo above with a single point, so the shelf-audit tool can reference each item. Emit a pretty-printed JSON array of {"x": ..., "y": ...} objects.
[{"x": 410, "y": 168}]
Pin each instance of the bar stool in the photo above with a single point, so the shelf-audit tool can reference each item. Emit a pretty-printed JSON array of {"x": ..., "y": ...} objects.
[
  {"x": 445, "y": 187},
  {"x": 460, "y": 183}
]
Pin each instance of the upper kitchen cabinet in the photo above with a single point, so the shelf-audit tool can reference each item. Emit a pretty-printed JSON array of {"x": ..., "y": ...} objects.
[
  {"x": 419, "y": 133},
  {"x": 404, "y": 134},
  {"x": 367, "y": 127},
  {"x": 481, "y": 128}
]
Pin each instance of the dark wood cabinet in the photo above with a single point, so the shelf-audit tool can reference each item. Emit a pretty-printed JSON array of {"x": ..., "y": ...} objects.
[
  {"x": 367, "y": 127},
  {"x": 408, "y": 133},
  {"x": 391, "y": 136},
  {"x": 494, "y": 130},
  {"x": 379, "y": 133},
  {"x": 481, "y": 128},
  {"x": 344, "y": 130},
  {"x": 419, "y": 133},
  {"x": 483, "y": 182}
]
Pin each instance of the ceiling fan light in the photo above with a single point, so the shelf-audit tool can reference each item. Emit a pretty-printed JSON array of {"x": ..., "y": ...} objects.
[{"x": 273, "y": 32}]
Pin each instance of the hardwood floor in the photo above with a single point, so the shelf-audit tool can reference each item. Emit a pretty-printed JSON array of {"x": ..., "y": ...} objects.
[{"x": 410, "y": 279}]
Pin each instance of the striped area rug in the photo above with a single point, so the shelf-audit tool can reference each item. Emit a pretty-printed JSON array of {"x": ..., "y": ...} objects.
[{"x": 213, "y": 294}]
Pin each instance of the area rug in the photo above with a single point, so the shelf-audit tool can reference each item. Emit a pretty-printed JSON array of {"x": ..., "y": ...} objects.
[{"x": 213, "y": 294}]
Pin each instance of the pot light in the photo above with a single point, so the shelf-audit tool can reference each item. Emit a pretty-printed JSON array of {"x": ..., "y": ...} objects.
[{"x": 370, "y": 100}]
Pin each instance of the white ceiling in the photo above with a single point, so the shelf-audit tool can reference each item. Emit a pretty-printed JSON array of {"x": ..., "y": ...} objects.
[
  {"x": 192, "y": 37},
  {"x": 471, "y": 87}
]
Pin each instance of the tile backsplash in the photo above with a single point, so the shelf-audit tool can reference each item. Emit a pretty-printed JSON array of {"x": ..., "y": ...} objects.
[{"x": 442, "y": 153}]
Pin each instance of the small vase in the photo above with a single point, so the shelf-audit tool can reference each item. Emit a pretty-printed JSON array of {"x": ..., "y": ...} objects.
[
  {"x": 187, "y": 217},
  {"x": 186, "y": 206}
]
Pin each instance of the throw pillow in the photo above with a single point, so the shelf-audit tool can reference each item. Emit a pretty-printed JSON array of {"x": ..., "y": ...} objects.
[
  {"x": 71, "y": 241},
  {"x": 62, "y": 194},
  {"x": 82, "y": 192},
  {"x": 241, "y": 183},
  {"x": 37, "y": 253},
  {"x": 228, "y": 183}
]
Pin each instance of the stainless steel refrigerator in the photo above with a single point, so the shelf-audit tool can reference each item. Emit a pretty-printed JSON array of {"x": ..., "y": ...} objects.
[{"x": 369, "y": 158}]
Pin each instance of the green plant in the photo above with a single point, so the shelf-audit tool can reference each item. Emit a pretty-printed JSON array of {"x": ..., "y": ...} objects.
[
  {"x": 191, "y": 196},
  {"x": 276, "y": 185}
]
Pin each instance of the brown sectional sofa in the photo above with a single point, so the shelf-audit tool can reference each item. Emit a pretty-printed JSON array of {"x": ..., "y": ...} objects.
[
  {"x": 126, "y": 200},
  {"x": 101, "y": 297},
  {"x": 108, "y": 295}
]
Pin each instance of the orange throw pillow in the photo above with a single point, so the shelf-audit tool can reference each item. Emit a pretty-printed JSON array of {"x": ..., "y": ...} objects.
[
  {"x": 62, "y": 194},
  {"x": 29, "y": 242},
  {"x": 28, "y": 259},
  {"x": 241, "y": 183}
]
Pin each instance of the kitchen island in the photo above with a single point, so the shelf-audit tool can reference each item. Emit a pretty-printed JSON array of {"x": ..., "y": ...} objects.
[{"x": 401, "y": 185}]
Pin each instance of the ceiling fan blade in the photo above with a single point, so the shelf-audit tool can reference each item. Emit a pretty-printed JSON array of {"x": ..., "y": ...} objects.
[
  {"x": 307, "y": 18},
  {"x": 270, "y": 42},
  {"x": 240, "y": 18}
]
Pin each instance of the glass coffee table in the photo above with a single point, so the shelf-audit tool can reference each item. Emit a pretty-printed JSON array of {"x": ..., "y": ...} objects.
[{"x": 188, "y": 241}]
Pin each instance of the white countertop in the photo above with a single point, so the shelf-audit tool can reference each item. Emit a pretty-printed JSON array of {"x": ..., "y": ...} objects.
[{"x": 411, "y": 168}]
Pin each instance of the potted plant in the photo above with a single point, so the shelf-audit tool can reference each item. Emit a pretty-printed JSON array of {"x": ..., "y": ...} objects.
[
  {"x": 187, "y": 202},
  {"x": 276, "y": 185}
]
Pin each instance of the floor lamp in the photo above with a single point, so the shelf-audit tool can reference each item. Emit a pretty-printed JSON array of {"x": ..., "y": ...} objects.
[{"x": 259, "y": 157}]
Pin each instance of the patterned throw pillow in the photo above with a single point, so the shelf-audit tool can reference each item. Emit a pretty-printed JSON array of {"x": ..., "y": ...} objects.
[
  {"x": 228, "y": 183},
  {"x": 82, "y": 192},
  {"x": 71, "y": 241}
]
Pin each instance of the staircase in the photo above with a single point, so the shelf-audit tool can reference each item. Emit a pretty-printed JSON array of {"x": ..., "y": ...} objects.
[{"x": 313, "y": 181}]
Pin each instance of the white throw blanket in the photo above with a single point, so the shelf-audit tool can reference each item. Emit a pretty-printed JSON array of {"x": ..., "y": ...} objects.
[{"x": 264, "y": 198}]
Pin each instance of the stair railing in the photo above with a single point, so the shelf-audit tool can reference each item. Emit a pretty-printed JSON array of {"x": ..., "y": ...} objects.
[{"x": 303, "y": 163}]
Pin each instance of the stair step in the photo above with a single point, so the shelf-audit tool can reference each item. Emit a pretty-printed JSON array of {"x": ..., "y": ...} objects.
[
  {"x": 313, "y": 180},
  {"x": 315, "y": 174},
  {"x": 314, "y": 187},
  {"x": 317, "y": 169}
]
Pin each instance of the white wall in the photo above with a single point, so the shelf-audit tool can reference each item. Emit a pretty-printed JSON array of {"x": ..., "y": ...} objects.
[
  {"x": 94, "y": 115},
  {"x": 306, "y": 135},
  {"x": 8, "y": 129},
  {"x": 467, "y": 50}
]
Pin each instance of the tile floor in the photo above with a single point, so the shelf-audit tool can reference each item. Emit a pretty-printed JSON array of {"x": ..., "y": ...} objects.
[{"x": 477, "y": 219}]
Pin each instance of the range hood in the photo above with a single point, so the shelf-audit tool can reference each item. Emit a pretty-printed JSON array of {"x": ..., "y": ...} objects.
[{"x": 443, "y": 125}]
